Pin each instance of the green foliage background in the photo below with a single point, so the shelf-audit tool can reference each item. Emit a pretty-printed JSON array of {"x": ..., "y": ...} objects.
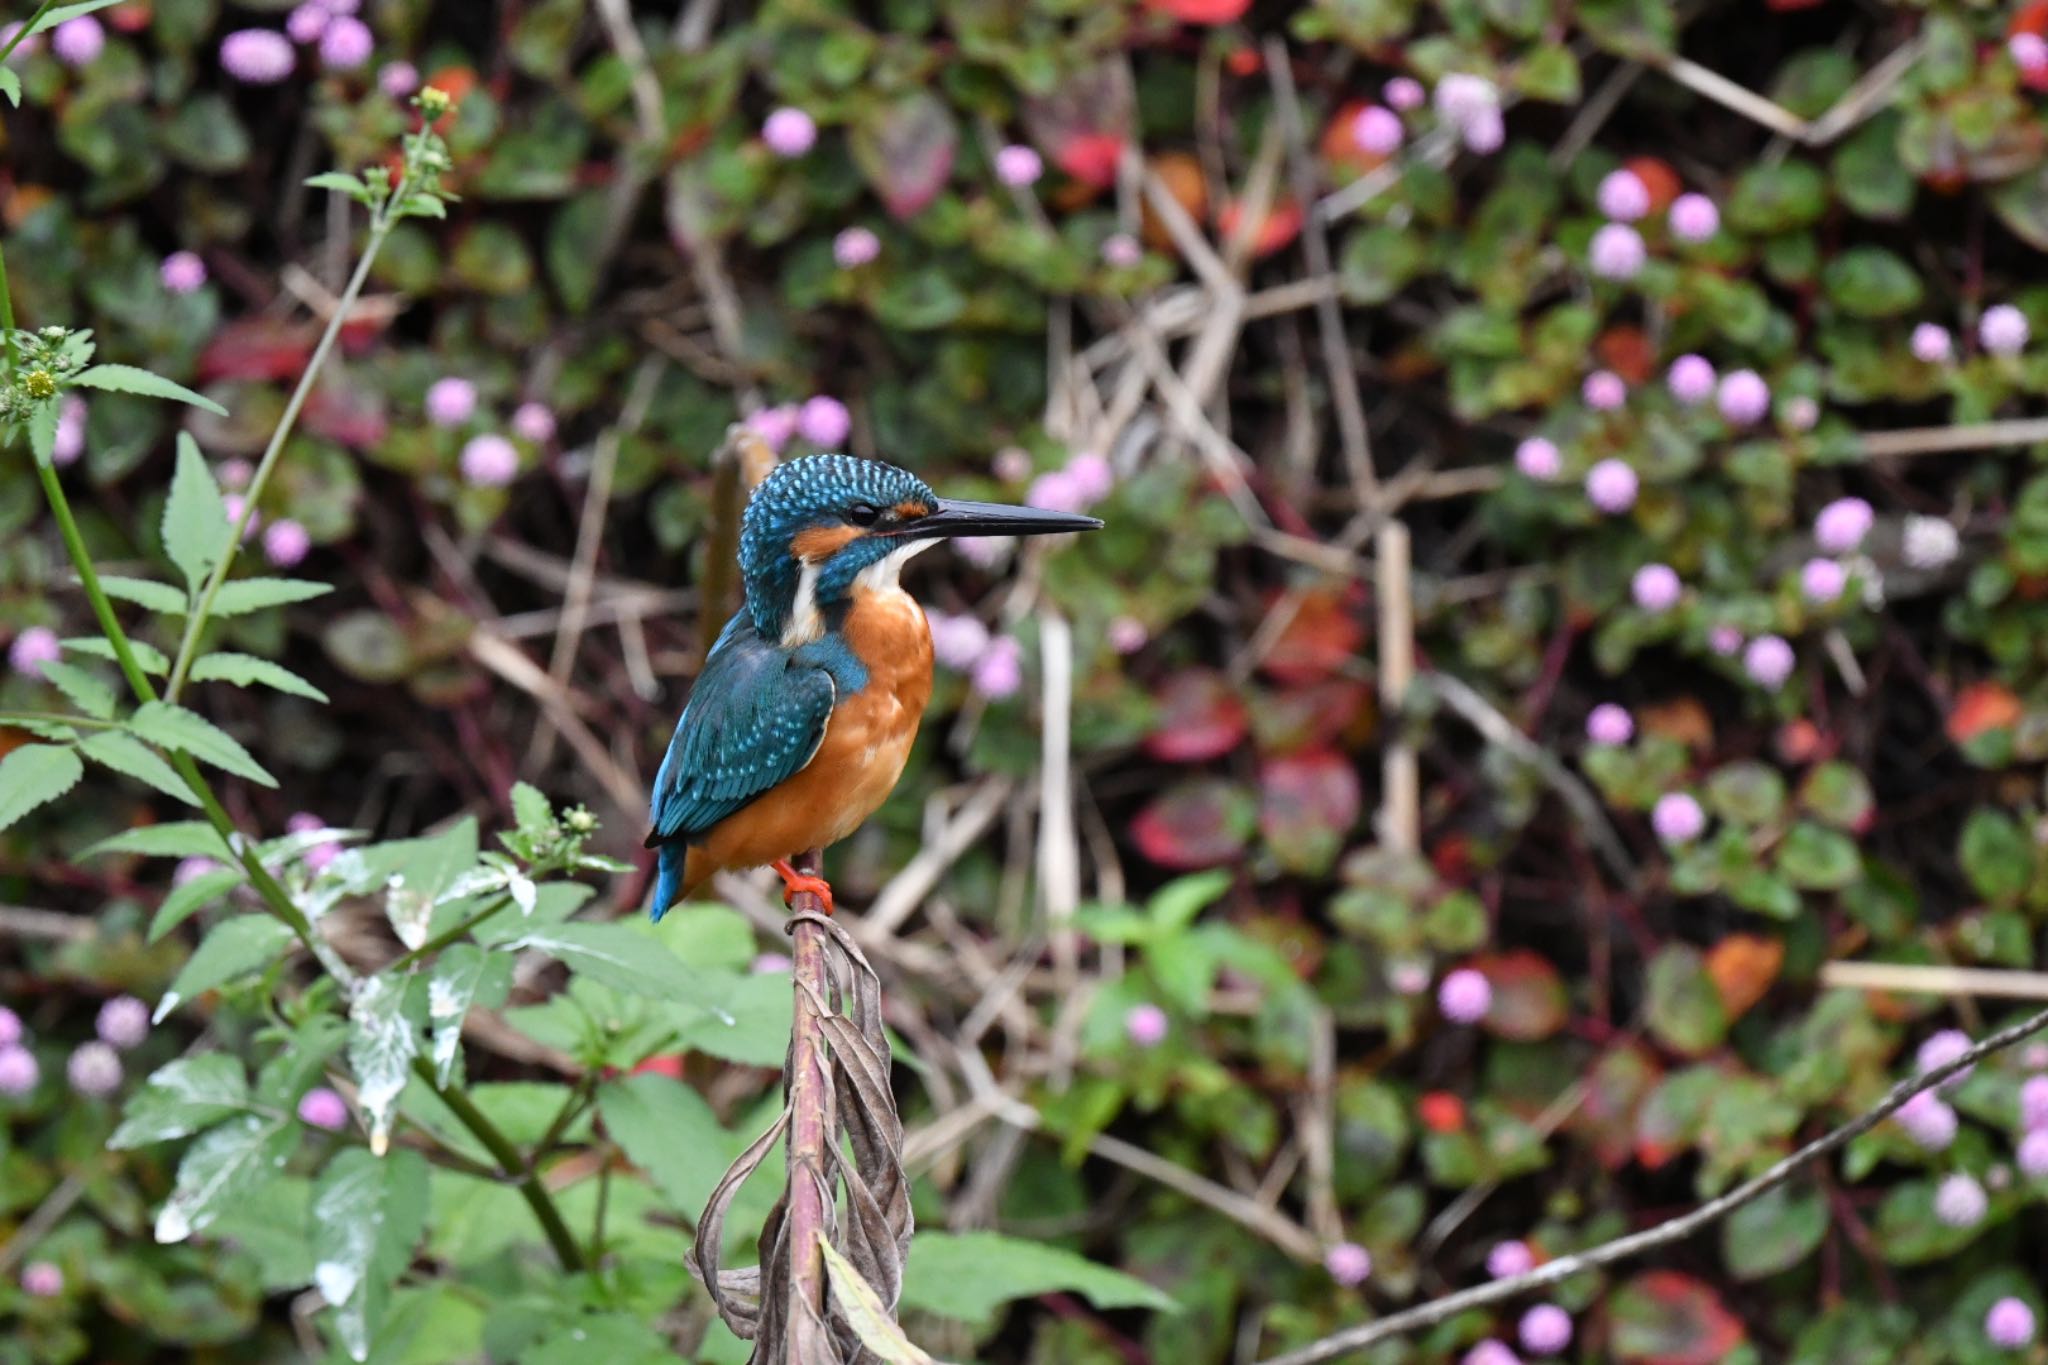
[{"x": 627, "y": 252}]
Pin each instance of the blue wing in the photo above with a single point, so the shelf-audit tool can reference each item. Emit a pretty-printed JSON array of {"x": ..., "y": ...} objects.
[{"x": 755, "y": 718}]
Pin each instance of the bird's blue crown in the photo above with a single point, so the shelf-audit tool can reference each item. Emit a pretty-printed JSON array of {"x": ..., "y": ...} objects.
[{"x": 817, "y": 491}]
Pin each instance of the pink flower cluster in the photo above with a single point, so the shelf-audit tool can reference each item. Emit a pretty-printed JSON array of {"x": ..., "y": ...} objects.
[
  {"x": 994, "y": 664},
  {"x": 1471, "y": 105},
  {"x": 823, "y": 421},
  {"x": 1085, "y": 480}
]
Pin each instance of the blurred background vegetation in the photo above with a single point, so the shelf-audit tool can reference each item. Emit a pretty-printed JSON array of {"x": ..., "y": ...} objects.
[{"x": 1576, "y": 568}]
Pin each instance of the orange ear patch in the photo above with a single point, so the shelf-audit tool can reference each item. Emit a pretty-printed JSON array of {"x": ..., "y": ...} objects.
[
  {"x": 816, "y": 544},
  {"x": 911, "y": 511}
]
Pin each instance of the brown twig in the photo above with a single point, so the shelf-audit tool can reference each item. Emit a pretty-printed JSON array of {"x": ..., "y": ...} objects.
[{"x": 810, "y": 1102}]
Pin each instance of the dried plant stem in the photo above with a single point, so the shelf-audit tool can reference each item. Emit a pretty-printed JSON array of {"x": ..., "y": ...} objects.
[
  {"x": 810, "y": 1098},
  {"x": 1672, "y": 1230}
]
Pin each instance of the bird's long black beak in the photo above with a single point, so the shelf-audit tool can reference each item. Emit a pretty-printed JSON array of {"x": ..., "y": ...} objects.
[{"x": 960, "y": 518}]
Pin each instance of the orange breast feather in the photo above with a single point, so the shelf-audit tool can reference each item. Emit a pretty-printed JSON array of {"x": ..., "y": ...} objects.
[{"x": 867, "y": 741}]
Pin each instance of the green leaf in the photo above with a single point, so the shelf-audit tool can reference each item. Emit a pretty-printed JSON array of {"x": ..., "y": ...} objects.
[
  {"x": 341, "y": 182},
  {"x": 530, "y": 809},
  {"x": 1685, "y": 1010},
  {"x": 1818, "y": 859},
  {"x": 64, "y": 13},
  {"x": 35, "y": 774},
  {"x": 751, "y": 1024},
  {"x": 161, "y": 598},
  {"x": 245, "y": 595},
  {"x": 147, "y": 656},
  {"x": 172, "y": 839},
  {"x": 1175, "y": 905},
  {"x": 10, "y": 86},
  {"x": 464, "y": 975},
  {"x": 223, "y": 1168},
  {"x": 182, "y": 1098},
  {"x": 128, "y": 379},
  {"x": 622, "y": 957},
  {"x": 245, "y": 670},
  {"x": 668, "y": 1130},
  {"x": 195, "y": 527},
  {"x": 232, "y": 948},
  {"x": 862, "y": 1306},
  {"x": 1996, "y": 855},
  {"x": 367, "y": 1214},
  {"x": 126, "y": 754},
  {"x": 1870, "y": 282},
  {"x": 173, "y": 727},
  {"x": 86, "y": 692},
  {"x": 1777, "y": 198},
  {"x": 183, "y": 901},
  {"x": 970, "y": 1275},
  {"x": 42, "y": 432},
  {"x": 1773, "y": 1234},
  {"x": 384, "y": 1025}
]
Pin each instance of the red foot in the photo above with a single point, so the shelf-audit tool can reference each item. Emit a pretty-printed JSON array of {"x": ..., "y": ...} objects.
[{"x": 794, "y": 882}]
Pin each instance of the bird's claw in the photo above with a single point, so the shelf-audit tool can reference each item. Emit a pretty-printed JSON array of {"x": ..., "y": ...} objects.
[{"x": 794, "y": 883}]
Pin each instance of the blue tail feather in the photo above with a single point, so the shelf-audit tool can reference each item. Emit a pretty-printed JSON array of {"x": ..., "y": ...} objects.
[{"x": 668, "y": 879}]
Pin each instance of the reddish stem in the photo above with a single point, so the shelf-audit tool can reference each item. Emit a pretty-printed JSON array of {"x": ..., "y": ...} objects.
[{"x": 809, "y": 1140}]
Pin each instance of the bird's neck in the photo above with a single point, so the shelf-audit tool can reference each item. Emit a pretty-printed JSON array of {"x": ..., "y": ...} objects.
[{"x": 795, "y": 601}]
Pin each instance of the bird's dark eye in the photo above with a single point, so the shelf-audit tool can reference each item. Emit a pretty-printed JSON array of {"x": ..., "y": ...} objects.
[{"x": 863, "y": 514}]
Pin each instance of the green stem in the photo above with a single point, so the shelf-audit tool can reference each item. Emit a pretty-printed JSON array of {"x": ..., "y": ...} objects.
[
  {"x": 28, "y": 26},
  {"x": 448, "y": 936},
  {"x": 274, "y": 896},
  {"x": 195, "y": 624},
  {"x": 25, "y": 718},
  {"x": 507, "y": 1156}
]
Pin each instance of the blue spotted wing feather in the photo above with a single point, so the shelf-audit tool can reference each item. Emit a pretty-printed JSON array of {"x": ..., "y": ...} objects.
[{"x": 755, "y": 718}]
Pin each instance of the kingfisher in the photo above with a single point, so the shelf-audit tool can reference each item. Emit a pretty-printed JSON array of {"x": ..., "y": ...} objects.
[{"x": 800, "y": 723}]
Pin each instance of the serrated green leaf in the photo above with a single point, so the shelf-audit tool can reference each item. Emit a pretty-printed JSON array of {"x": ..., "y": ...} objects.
[
  {"x": 173, "y": 727},
  {"x": 182, "y": 902},
  {"x": 147, "y": 656},
  {"x": 622, "y": 957},
  {"x": 129, "y": 379},
  {"x": 161, "y": 598},
  {"x": 245, "y": 595},
  {"x": 245, "y": 670},
  {"x": 65, "y": 13},
  {"x": 668, "y": 1130},
  {"x": 862, "y": 1306},
  {"x": 126, "y": 754},
  {"x": 181, "y": 1098},
  {"x": 86, "y": 692},
  {"x": 367, "y": 1214},
  {"x": 223, "y": 1167},
  {"x": 383, "y": 1037},
  {"x": 42, "y": 432},
  {"x": 530, "y": 809},
  {"x": 464, "y": 975},
  {"x": 172, "y": 839},
  {"x": 230, "y": 949},
  {"x": 969, "y": 1275},
  {"x": 33, "y": 775},
  {"x": 196, "y": 532}
]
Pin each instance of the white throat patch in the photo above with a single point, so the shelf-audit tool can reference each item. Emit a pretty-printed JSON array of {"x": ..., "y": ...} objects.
[{"x": 882, "y": 575}]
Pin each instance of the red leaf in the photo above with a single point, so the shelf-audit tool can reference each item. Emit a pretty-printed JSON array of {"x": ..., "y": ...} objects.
[
  {"x": 1313, "y": 716},
  {"x": 1440, "y": 1111},
  {"x": 1200, "y": 718},
  {"x": 1307, "y": 804},
  {"x": 1091, "y": 158},
  {"x": 1197, "y": 824},
  {"x": 1742, "y": 967},
  {"x": 1664, "y": 1317},
  {"x": 905, "y": 148},
  {"x": 256, "y": 348},
  {"x": 1202, "y": 11},
  {"x": 669, "y": 1064},
  {"x": 1615, "y": 1089},
  {"x": 1323, "y": 637},
  {"x": 1084, "y": 122},
  {"x": 1529, "y": 1000},
  {"x": 1980, "y": 707},
  {"x": 1280, "y": 225},
  {"x": 350, "y": 416}
]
